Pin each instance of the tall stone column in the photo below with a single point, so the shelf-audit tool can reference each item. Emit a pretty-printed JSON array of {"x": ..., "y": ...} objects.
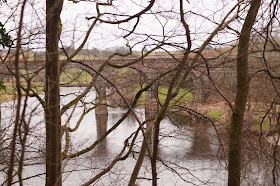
[
  {"x": 151, "y": 102},
  {"x": 101, "y": 97},
  {"x": 151, "y": 108},
  {"x": 200, "y": 87}
]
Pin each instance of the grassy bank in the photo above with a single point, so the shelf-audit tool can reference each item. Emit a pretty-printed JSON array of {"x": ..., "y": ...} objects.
[
  {"x": 184, "y": 96},
  {"x": 9, "y": 92}
]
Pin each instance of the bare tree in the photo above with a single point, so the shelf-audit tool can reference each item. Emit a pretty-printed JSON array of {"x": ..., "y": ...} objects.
[
  {"x": 52, "y": 98},
  {"x": 192, "y": 50},
  {"x": 18, "y": 115},
  {"x": 234, "y": 168}
]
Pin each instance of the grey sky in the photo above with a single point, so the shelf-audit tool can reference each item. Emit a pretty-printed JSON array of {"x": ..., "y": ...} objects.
[{"x": 104, "y": 36}]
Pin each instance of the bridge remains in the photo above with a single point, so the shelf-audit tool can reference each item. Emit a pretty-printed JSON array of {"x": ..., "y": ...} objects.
[
  {"x": 151, "y": 67},
  {"x": 208, "y": 79}
]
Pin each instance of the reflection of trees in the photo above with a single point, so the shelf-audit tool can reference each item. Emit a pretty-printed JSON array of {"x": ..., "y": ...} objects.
[{"x": 187, "y": 53}]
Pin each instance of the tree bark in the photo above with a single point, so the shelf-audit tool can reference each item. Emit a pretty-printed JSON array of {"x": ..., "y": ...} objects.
[
  {"x": 151, "y": 109},
  {"x": 18, "y": 107},
  {"x": 52, "y": 99},
  {"x": 235, "y": 136}
]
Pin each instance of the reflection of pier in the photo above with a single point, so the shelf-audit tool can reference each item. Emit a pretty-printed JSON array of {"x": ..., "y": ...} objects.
[
  {"x": 101, "y": 124},
  {"x": 202, "y": 138},
  {"x": 200, "y": 145},
  {"x": 101, "y": 129},
  {"x": 205, "y": 142}
]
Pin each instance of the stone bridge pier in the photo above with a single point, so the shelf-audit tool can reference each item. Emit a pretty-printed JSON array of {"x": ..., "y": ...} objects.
[
  {"x": 201, "y": 87},
  {"x": 151, "y": 95},
  {"x": 151, "y": 99},
  {"x": 101, "y": 101}
]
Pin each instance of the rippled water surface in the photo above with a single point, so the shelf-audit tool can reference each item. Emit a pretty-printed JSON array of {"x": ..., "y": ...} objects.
[{"x": 187, "y": 155}]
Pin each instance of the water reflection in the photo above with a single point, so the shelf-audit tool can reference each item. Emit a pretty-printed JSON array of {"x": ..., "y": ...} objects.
[
  {"x": 101, "y": 129},
  {"x": 200, "y": 144},
  {"x": 101, "y": 124},
  {"x": 202, "y": 137},
  {"x": 182, "y": 147}
]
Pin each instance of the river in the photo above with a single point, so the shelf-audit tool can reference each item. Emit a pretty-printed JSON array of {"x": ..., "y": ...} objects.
[{"x": 190, "y": 156}]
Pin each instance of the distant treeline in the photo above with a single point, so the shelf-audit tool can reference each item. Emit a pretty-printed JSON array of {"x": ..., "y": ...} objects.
[{"x": 91, "y": 53}]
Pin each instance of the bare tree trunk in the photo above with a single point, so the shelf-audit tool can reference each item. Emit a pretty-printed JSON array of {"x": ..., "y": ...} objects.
[
  {"x": 17, "y": 119},
  {"x": 0, "y": 117},
  {"x": 52, "y": 99},
  {"x": 234, "y": 156},
  {"x": 151, "y": 109},
  {"x": 140, "y": 159}
]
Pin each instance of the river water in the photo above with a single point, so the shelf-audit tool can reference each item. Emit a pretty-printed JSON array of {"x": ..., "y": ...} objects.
[{"x": 190, "y": 156}]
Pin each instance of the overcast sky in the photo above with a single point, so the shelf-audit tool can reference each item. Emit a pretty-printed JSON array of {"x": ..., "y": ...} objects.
[{"x": 104, "y": 36}]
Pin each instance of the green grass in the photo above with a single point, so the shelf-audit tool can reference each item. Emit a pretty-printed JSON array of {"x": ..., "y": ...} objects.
[
  {"x": 182, "y": 97},
  {"x": 73, "y": 77},
  {"x": 6, "y": 97},
  {"x": 9, "y": 92},
  {"x": 216, "y": 114},
  {"x": 79, "y": 57},
  {"x": 141, "y": 100},
  {"x": 265, "y": 125}
]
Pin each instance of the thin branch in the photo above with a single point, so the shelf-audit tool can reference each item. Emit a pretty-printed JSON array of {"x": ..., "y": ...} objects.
[{"x": 147, "y": 8}]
